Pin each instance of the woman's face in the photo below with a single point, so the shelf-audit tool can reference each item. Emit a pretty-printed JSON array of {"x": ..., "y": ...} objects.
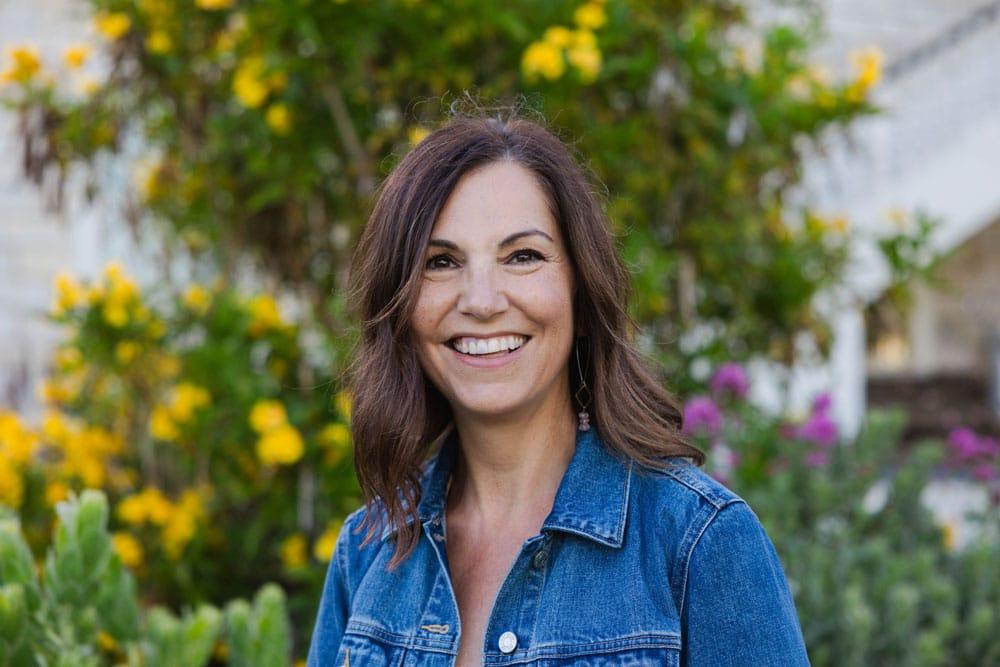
[{"x": 496, "y": 276}]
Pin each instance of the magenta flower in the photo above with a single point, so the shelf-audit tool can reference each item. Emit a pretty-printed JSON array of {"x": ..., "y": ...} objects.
[
  {"x": 819, "y": 429},
  {"x": 817, "y": 459},
  {"x": 702, "y": 415},
  {"x": 985, "y": 472},
  {"x": 967, "y": 444},
  {"x": 822, "y": 403},
  {"x": 730, "y": 377},
  {"x": 990, "y": 447}
]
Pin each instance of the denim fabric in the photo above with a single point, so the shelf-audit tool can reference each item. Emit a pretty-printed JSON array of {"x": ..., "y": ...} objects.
[{"x": 632, "y": 567}]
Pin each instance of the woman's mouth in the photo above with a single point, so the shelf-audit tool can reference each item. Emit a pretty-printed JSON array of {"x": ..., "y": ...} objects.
[{"x": 488, "y": 353}]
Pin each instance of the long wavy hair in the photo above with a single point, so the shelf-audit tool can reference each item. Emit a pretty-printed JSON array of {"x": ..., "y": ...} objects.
[{"x": 399, "y": 418}]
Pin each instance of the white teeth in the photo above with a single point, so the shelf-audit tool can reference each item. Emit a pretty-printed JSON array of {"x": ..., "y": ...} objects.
[{"x": 488, "y": 345}]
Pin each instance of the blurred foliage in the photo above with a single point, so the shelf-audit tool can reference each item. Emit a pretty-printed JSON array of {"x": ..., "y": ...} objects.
[
  {"x": 266, "y": 126},
  {"x": 876, "y": 580},
  {"x": 84, "y": 611},
  {"x": 226, "y": 458}
]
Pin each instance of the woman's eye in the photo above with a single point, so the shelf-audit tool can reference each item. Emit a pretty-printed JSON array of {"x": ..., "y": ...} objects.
[
  {"x": 526, "y": 256},
  {"x": 439, "y": 262}
]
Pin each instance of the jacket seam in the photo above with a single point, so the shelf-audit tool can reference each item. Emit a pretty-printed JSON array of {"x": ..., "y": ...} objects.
[
  {"x": 690, "y": 551},
  {"x": 718, "y": 501}
]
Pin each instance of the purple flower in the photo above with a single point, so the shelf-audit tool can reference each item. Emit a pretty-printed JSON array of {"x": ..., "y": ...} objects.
[
  {"x": 966, "y": 444},
  {"x": 820, "y": 429},
  {"x": 985, "y": 472},
  {"x": 989, "y": 447},
  {"x": 822, "y": 403},
  {"x": 730, "y": 377},
  {"x": 817, "y": 459},
  {"x": 701, "y": 414}
]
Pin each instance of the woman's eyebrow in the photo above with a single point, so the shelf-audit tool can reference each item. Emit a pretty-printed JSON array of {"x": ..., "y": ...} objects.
[{"x": 513, "y": 238}]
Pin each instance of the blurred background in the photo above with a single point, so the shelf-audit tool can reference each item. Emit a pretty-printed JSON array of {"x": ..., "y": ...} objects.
[{"x": 805, "y": 192}]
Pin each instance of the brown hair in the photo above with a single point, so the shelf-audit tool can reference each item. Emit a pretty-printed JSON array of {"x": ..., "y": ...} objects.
[{"x": 398, "y": 415}]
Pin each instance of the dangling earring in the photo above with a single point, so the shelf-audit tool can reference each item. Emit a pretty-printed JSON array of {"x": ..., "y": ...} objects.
[{"x": 582, "y": 394}]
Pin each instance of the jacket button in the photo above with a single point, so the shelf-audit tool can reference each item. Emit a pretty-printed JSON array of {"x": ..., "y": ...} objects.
[
  {"x": 508, "y": 642},
  {"x": 540, "y": 559}
]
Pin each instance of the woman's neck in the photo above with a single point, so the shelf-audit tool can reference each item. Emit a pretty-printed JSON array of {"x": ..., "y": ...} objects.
[{"x": 511, "y": 469}]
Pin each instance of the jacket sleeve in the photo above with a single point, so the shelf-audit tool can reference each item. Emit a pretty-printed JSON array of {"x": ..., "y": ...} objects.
[
  {"x": 334, "y": 606},
  {"x": 737, "y": 608}
]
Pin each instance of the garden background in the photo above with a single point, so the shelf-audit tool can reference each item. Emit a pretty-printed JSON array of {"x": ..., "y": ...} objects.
[{"x": 240, "y": 143}]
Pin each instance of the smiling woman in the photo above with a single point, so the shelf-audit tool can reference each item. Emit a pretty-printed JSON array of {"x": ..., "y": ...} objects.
[{"x": 500, "y": 528}]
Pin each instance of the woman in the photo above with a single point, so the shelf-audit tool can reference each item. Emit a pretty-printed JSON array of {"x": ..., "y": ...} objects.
[{"x": 560, "y": 520}]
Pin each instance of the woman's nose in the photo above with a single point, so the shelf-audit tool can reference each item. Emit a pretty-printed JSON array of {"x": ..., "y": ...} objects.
[{"x": 482, "y": 293}]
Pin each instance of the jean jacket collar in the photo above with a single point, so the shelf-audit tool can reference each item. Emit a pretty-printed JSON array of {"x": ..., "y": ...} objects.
[{"x": 592, "y": 500}]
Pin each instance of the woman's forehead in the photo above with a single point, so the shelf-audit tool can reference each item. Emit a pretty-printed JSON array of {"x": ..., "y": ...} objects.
[{"x": 495, "y": 201}]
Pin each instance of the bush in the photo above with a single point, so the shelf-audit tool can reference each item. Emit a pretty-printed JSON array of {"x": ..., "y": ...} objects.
[
  {"x": 219, "y": 439},
  {"x": 85, "y": 612},
  {"x": 874, "y": 583}
]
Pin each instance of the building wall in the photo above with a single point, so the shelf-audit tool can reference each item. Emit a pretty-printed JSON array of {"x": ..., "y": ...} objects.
[{"x": 953, "y": 328}]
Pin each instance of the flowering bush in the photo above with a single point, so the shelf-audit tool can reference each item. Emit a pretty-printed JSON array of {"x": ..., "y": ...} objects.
[
  {"x": 224, "y": 452},
  {"x": 264, "y": 139},
  {"x": 875, "y": 582}
]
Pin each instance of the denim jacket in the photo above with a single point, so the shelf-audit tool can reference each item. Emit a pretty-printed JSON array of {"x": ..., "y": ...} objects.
[{"x": 631, "y": 567}]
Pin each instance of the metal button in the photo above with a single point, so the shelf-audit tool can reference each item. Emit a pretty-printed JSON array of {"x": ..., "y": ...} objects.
[
  {"x": 540, "y": 559},
  {"x": 508, "y": 642}
]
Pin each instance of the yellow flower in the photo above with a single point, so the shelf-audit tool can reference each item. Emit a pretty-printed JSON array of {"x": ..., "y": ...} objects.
[
  {"x": 249, "y": 85},
  {"x": 186, "y": 398},
  {"x": 584, "y": 38},
  {"x": 197, "y": 299},
  {"x": 75, "y": 56},
  {"x": 127, "y": 548},
  {"x": 89, "y": 86},
  {"x": 167, "y": 367},
  {"x": 25, "y": 67},
  {"x": 327, "y": 542},
  {"x": 267, "y": 415},
  {"x": 279, "y": 118},
  {"x": 294, "y": 551},
  {"x": 868, "y": 64},
  {"x": 587, "y": 61},
  {"x": 126, "y": 351},
  {"x": 162, "y": 426},
  {"x": 558, "y": 36},
  {"x": 949, "y": 535},
  {"x": 69, "y": 294},
  {"x": 344, "y": 402},
  {"x": 11, "y": 485},
  {"x": 68, "y": 358},
  {"x": 113, "y": 24},
  {"x": 416, "y": 134},
  {"x": 590, "y": 15},
  {"x": 265, "y": 313},
  {"x": 543, "y": 58},
  {"x": 182, "y": 524},
  {"x": 149, "y": 505},
  {"x": 839, "y": 224},
  {"x": 337, "y": 438},
  {"x": 280, "y": 446},
  {"x": 95, "y": 293},
  {"x": 106, "y": 641},
  {"x": 159, "y": 42},
  {"x": 115, "y": 314},
  {"x": 211, "y": 5},
  {"x": 17, "y": 442},
  {"x": 55, "y": 430},
  {"x": 55, "y": 492}
]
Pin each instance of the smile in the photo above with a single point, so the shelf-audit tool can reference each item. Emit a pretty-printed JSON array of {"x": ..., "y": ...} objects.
[{"x": 488, "y": 352}]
